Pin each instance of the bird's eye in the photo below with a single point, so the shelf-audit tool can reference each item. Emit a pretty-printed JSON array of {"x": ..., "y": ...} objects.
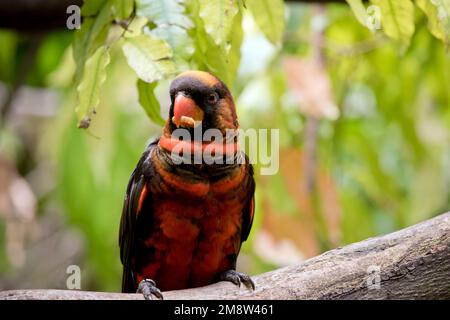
[{"x": 213, "y": 98}]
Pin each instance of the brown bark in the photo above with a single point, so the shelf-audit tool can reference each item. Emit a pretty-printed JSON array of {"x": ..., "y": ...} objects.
[{"x": 414, "y": 263}]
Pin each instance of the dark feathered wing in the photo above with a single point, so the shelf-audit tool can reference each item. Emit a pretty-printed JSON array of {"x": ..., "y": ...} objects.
[
  {"x": 249, "y": 209},
  {"x": 135, "y": 195}
]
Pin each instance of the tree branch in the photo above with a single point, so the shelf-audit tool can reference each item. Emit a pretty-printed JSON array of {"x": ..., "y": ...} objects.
[{"x": 413, "y": 263}]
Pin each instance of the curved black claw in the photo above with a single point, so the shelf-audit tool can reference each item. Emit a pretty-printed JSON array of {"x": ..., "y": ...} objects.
[
  {"x": 237, "y": 278},
  {"x": 148, "y": 288}
]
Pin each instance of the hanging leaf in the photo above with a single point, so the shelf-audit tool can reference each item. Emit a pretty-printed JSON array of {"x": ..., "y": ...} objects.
[
  {"x": 122, "y": 9},
  {"x": 92, "y": 7},
  {"x": 171, "y": 24},
  {"x": 221, "y": 60},
  {"x": 135, "y": 27},
  {"x": 149, "y": 57},
  {"x": 438, "y": 14},
  {"x": 358, "y": 10},
  {"x": 269, "y": 16},
  {"x": 91, "y": 36},
  {"x": 89, "y": 87},
  {"x": 218, "y": 16},
  {"x": 208, "y": 55},
  {"x": 397, "y": 18},
  {"x": 8, "y": 55},
  {"x": 163, "y": 12},
  {"x": 148, "y": 101},
  {"x": 234, "y": 56},
  {"x": 177, "y": 38}
]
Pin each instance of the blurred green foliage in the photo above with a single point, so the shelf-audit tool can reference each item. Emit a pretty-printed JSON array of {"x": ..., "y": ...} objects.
[{"x": 385, "y": 161}]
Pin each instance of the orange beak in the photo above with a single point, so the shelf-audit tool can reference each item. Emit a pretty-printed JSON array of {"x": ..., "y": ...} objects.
[{"x": 186, "y": 113}]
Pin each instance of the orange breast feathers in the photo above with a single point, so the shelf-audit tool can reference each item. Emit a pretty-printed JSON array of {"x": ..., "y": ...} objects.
[
  {"x": 198, "y": 187},
  {"x": 196, "y": 230}
]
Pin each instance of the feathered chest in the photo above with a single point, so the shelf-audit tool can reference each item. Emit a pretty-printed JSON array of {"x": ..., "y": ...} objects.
[{"x": 193, "y": 183}]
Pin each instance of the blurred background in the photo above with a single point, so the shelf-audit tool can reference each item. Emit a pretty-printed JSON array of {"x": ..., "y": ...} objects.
[{"x": 364, "y": 124}]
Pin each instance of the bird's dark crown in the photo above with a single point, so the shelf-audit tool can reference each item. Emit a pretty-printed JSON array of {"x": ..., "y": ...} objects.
[{"x": 198, "y": 85}]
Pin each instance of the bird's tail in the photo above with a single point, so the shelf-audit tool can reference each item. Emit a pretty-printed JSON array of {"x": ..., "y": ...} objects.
[{"x": 128, "y": 283}]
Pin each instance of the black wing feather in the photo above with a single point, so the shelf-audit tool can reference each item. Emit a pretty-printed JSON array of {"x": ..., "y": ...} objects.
[
  {"x": 139, "y": 178},
  {"x": 249, "y": 209}
]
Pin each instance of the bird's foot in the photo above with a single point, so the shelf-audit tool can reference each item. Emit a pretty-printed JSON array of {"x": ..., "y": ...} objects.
[
  {"x": 148, "y": 288},
  {"x": 237, "y": 278}
]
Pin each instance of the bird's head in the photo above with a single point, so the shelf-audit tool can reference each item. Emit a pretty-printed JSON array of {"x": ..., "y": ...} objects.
[{"x": 199, "y": 98}]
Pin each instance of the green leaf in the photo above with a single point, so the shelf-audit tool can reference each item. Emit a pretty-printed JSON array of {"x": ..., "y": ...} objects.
[
  {"x": 234, "y": 55},
  {"x": 171, "y": 22},
  {"x": 269, "y": 16},
  {"x": 148, "y": 101},
  {"x": 221, "y": 60},
  {"x": 91, "y": 36},
  {"x": 135, "y": 27},
  {"x": 397, "y": 18},
  {"x": 438, "y": 14},
  {"x": 218, "y": 16},
  {"x": 358, "y": 10},
  {"x": 89, "y": 87},
  {"x": 149, "y": 57},
  {"x": 92, "y": 7},
  {"x": 8, "y": 55},
  {"x": 163, "y": 12},
  {"x": 177, "y": 38},
  {"x": 122, "y": 9}
]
